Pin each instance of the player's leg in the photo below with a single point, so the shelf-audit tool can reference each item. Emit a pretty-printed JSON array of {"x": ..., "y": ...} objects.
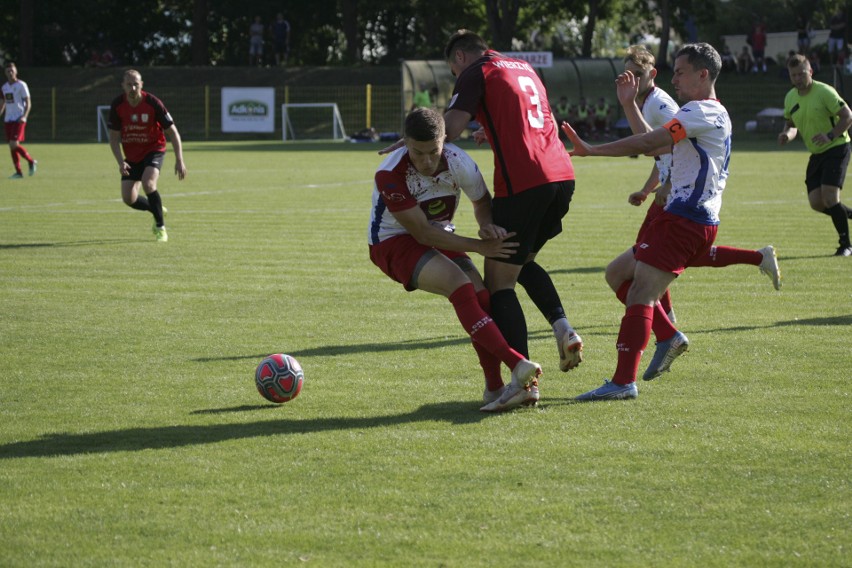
[
  {"x": 16, "y": 159},
  {"x": 489, "y": 363},
  {"x": 130, "y": 195},
  {"x": 830, "y": 198},
  {"x": 149, "y": 184}
]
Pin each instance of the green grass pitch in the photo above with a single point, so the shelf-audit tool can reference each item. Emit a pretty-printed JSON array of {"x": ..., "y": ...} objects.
[{"x": 131, "y": 433}]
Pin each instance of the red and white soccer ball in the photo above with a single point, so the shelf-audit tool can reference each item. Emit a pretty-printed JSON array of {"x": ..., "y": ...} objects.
[{"x": 279, "y": 378}]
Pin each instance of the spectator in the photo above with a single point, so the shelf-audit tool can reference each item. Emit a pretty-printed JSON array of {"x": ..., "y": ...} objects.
[
  {"x": 757, "y": 39},
  {"x": 422, "y": 98},
  {"x": 728, "y": 61},
  {"x": 837, "y": 38},
  {"x": 602, "y": 112},
  {"x": 744, "y": 60},
  {"x": 256, "y": 42},
  {"x": 803, "y": 35},
  {"x": 280, "y": 31}
]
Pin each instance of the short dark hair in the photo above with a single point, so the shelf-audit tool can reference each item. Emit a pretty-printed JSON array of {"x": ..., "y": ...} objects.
[
  {"x": 796, "y": 60},
  {"x": 464, "y": 40},
  {"x": 10, "y": 64},
  {"x": 424, "y": 124},
  {"x": 702, "y": 56}
]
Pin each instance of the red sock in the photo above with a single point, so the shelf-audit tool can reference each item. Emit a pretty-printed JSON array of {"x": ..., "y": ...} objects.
[
  {"x": 489, "y": 363},
  {"x": 621, "y": 293},
  {"x": 726, "y": 256},
  {"x": 23, "y": 152},
  {"x": 481, "y": 327},
  {"x": 666, "y": 301},
  {"x": 16, "y": 160},
  {"x": 661, "y": 325},
  {"x": 633, "y": 337}
]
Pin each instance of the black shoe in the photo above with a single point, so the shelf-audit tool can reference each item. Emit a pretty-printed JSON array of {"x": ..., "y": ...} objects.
[{"x": 843, "y": 250}]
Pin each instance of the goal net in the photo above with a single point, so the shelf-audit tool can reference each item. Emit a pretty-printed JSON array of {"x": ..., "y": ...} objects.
[
  {"x": 311, "y": 121},
  {"x": 103, "y": 120}
]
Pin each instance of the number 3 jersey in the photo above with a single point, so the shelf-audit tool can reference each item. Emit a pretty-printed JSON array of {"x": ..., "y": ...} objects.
[
  {"x": 399, "y": 186},
  {"x": 509, "y": 101}
]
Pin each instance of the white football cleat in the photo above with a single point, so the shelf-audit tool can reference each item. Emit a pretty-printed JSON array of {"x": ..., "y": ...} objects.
[
  {"x": 769, "y": 265},
  {"x": 570, "y": 351}
]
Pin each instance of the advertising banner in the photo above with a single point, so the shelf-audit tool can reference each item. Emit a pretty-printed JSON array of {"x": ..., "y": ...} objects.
[{"x": 248, "y": 109}]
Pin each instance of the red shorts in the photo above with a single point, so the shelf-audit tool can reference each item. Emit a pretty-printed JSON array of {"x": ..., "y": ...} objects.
[
  {"x": 400, "y": 257},
  {"x": 653, "y": 212},
  {"x": 15, "y": 131},
  {"x": 672, "y": 242}
]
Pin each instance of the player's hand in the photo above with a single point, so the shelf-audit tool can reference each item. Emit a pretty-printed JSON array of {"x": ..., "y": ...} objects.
[
  {"x": 180, "y": 169},
  {"x": 395, "y": 146},
  {"x": 783, "y": 138},
  {"x": 821, "y": 139},
  {"x": 492, "y": 231},
  {"x": 580, "y": 147},
  {"x": 637, "y": 198},
  {"x": 498, "y": 248},
  {"x": 626, "y": 87},
  {"x": 23, "y": 119},
  {"x": 124, "y": 168},
  {"x": 661, "y": 197},
  {"x": 479, "y": 136}
]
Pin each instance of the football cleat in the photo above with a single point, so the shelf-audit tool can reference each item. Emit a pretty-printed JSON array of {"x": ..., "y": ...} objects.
[
  {"x": 570, "y": 351},
  {"x": 610, "y": 391},
  {"x": 17, "y": 175},
  {"x": 842, "y": 250},
  {"x": 520, "y": 391},
  {"x": 533, "y": 395},
  {"x": 33, "y": 167},
  {"x": 490, "y": 396},
  {"x": 161, "y": 235},
  {"x": 769, "y": 265},
  {"x": 664, "y": 356}
]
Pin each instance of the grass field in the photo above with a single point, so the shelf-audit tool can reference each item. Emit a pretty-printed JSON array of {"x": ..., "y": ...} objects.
[{"x": 131, "y": 433}]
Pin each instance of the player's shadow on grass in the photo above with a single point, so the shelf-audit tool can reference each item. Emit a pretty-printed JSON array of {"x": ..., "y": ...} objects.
[
  {"x": 12, "y": 246},
  {"x": 579, "y": 270},
  {"x": 166, "y": 437},
  {"x": 845, "y": 320},
  {"x": 334, "y": 350}
]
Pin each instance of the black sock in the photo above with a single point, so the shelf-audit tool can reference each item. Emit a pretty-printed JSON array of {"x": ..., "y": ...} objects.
[
  {"x": 507, "y": 313},
  {"x": 141, "y": 204},
  {"x": 848, "y": 211},
  {"x": 156, "y": 207},
  {"x": 841, "y": 222},
  {"x": 536, "y": 281}
]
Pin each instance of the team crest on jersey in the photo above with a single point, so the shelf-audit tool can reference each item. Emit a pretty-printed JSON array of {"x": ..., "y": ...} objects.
[
  {"x": 134, "y": 118},
  {"x": 145, "y": 117},
  {"x": 395, "y": 197}
]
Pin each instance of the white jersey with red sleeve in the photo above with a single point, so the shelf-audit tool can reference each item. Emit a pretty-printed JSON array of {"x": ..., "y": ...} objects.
[
  {"x": 399, "y": 186},
  {"x": 657, "y": 109},
  {"x": 14, "y": 95},
  {"x": 701, "y": 133}
]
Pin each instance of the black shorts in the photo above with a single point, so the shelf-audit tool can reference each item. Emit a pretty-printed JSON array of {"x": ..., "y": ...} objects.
[
  {"x": 152, "y": 160},
  {"x": 827, "y": 168},
  {"x": 535, "y": 215}
]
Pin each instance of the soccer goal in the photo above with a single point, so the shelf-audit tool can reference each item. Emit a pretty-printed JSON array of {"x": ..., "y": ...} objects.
[
  {"x": 311, "y": 121},
  {"x": 103, "y": 120}
]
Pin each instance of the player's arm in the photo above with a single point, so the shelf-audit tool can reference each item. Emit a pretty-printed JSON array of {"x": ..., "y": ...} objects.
[
  {"x": 483, "y": 216},
  {"x": 844, "y": 122},
  {"x": 788, "y": 133},
  {"x": 27, "y": 107},
  {"x": 415, "y": 222},
  {"x": 638, "y": 197},
  {"x": 2, "y": 106},
  {"x": 657, "y": 141},
  {"x": 174, "y": 137},
  {"x": 115, "y": 146},
  {"x": 456, "y": 121},
  {"x": 627, "y": 88}
]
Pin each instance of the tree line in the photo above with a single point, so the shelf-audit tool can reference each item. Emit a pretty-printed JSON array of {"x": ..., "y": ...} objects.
[{"x": 370, "y": 32}]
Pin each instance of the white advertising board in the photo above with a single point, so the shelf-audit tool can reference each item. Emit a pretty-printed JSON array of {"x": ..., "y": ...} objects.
[{"x": 248, "y": 109}]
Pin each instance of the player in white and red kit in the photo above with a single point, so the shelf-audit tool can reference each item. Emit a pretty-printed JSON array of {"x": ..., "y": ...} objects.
[
  {"x": 533, "y": 183},
  {"x": 411, "y": 238},
  {"x": 16, "y": 106},
  {"x": 648, "y": 107},
  {"x": 700, "y": 138},
  {"x": 138, "y": 125}
]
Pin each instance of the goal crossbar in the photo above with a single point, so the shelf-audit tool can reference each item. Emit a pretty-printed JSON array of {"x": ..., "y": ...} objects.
[{"x": 289, "y": 130}]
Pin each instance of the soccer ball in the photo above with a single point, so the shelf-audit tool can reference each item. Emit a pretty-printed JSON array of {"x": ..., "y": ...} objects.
[{"x": 279, "y": 378}]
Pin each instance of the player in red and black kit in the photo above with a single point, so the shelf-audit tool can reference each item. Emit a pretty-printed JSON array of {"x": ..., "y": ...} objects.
[
  {"x": 139, "y": 124},
  {"x": 533, "y": 184}
]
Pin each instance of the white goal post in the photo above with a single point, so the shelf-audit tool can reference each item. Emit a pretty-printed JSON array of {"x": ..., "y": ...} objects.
[
  {"x": 311, "y": 121},
  {"x": 103, "y": 120}
]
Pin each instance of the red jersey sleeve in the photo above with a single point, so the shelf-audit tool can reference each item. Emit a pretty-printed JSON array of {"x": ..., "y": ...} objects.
[{"x": 394, "y": 191}]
